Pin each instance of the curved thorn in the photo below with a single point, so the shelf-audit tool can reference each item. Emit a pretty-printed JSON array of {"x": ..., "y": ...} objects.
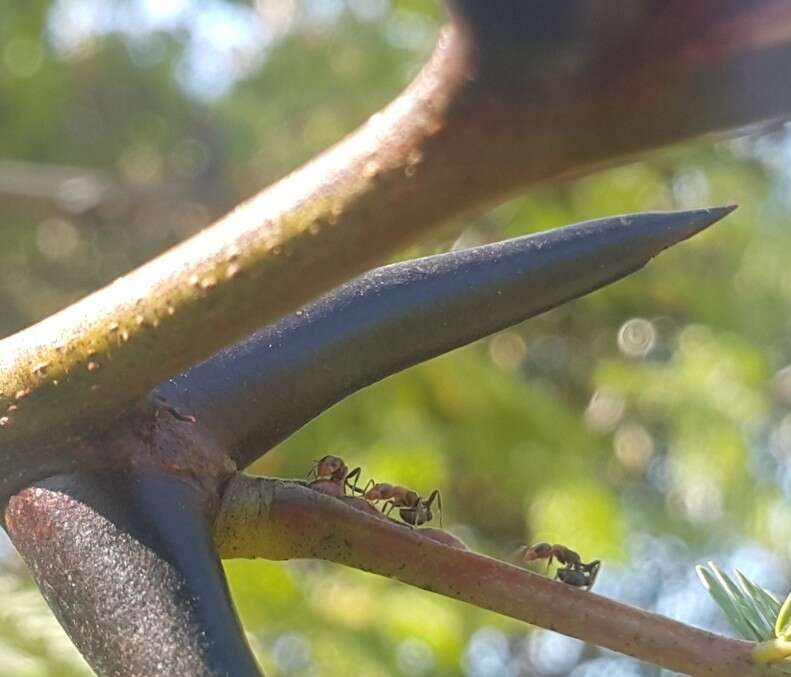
[
  {"x": 258, "y": 392},
  {"x": 128, "y": 565}
]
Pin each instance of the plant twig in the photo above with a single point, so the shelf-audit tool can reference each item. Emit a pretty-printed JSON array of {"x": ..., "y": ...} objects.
[
  {"x": 772, "y": 651},
  {"x": 333, "y": 218},
  {"x": 493, "y": 111},
  {"x": 275, "y": 519}
]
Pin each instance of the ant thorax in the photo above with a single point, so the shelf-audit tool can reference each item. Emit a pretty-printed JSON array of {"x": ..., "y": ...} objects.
[{"x": 328, "y": 486}]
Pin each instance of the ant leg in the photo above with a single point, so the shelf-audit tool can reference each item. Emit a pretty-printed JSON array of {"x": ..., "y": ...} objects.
[
  {"x": 368, "y": 485},
  {"x": 387, "y": 508},
  {"x": 435, "y": 495},
  {"x": 593, "y": 570},
  {"x": 348, "y": 483},
  {"x": 313, "y": 472}
]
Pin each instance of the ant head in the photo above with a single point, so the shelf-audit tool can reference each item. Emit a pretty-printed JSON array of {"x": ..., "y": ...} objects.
[
  {"x": 329, "y": 465},
  {"x": 539, "y": 551},
  {"x": 593, "y": 570},
  {"x": 578, "y": 579},
  {"x": 416, "y": 515},
  {"x": 409, "y": 515}
]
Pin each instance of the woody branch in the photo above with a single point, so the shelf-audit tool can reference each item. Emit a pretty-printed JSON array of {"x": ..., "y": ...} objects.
[
  {"x": 280, "y": 520},
  {"x": 510, "y": 97}
]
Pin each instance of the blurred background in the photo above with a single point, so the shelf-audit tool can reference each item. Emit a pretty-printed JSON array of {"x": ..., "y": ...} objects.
[{"x": 648, "y": 425}]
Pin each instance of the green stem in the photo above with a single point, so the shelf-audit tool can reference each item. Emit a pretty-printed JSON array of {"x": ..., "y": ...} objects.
[{"x": 772, "y": 651}]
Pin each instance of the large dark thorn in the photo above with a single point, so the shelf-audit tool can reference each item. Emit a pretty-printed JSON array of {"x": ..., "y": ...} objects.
[
  {"x": 128, "y": 565},
  {"x": 546, "y": 39},
  {"x": 259, "y": 392}
]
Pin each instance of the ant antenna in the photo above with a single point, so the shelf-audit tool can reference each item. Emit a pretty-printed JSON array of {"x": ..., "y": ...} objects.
[{"x": 435, "y": 494}]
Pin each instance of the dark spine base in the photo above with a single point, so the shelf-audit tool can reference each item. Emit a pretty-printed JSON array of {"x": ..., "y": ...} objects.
[{"x": 127, "y": 564}]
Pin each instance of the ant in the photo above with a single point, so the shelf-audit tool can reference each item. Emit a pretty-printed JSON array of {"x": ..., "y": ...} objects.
[
  {"x": 581, "y": 576},
  {"x": 547, "y": 551},
  {"x": 413, "y": 509},
  {"x": 331, "y": 476},
  {"x": 575, "y": 572}
]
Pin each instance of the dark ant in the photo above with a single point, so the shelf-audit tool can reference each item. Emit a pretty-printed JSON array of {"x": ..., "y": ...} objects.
[
  {"x": 575, "y": 572},
  {"x": 331, "y": 476},
  {"x": 412, "y": 508},
  {"x": 581, "y": 576}
]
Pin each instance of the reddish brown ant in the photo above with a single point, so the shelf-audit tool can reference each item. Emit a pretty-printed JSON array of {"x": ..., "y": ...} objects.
[
  {"x": 412, "y": 508},
  {"x": 549, "y": 552},
  {"x": 331, "y": 476},
  {"x": 575, "y": 572}
]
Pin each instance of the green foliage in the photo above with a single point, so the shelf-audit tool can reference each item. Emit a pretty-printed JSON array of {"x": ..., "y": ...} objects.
[
  {"x": 648, "y": 425},
  {"x": 752, "y": 611},
  {"x": 32, "y": 644}
]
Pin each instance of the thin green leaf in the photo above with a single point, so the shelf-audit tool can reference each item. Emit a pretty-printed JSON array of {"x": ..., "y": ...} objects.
[
  {"x": 763, "y": 594},
  {"x": 783, "y": 622},
  {"x": 745, "y": 608},
  {"x": 752, "y": 607},
  {"x": 765, "y": 602},
  {"x": 725, "y": 600}
]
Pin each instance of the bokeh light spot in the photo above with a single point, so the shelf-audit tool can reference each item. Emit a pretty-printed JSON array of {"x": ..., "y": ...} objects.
[{"x": 636, "y": 337}]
